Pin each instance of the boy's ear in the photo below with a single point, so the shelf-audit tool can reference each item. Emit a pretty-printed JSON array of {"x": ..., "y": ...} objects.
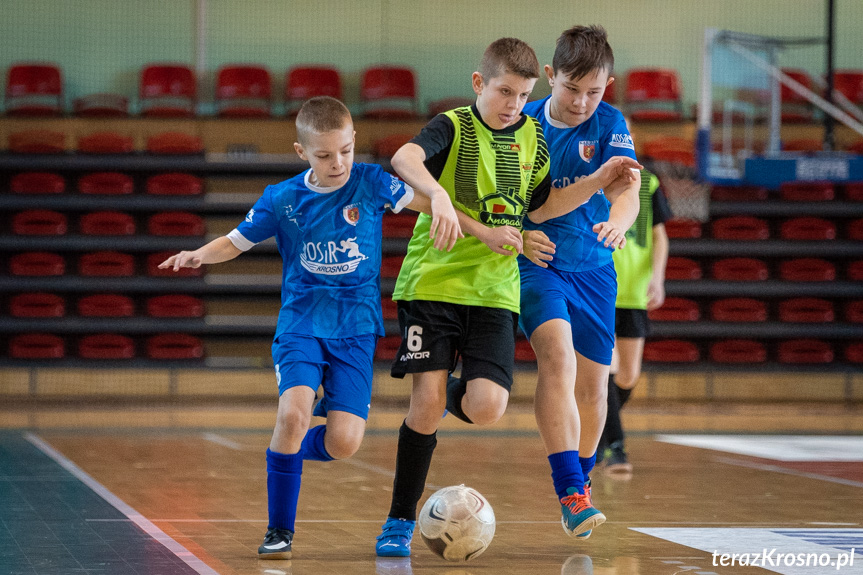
[
  {"x": 610, "y": 80},
  {"x": 477, "y": 83},
  {"x": 299, "y": 150},
  {"x": 549, "y": 73}
]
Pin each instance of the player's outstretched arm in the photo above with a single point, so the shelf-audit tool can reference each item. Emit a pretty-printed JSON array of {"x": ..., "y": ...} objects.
[
  {"x": 656, "y": 287},
  {"x": 445, "y": 229},
  {"x": 217, "y": 251},
  {"x": 564, "y": 200},
  {"x": 624, "y": 210}
]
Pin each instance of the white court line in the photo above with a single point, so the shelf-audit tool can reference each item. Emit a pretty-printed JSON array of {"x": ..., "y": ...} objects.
[
  {"x": 777, "y": 469},
  {"x": 145, "y": 524},
  {"x": 230, "y": 444}
]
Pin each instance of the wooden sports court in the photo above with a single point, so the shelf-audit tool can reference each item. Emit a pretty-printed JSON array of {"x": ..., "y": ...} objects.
[{"x": 134, "y": 488}]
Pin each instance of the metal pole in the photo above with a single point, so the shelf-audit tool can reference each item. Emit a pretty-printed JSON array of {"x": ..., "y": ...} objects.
[{"x": 829, "y": 139}]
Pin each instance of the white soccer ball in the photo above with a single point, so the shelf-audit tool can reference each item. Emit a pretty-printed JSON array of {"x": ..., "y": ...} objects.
[{"x": 457, "y": 523}]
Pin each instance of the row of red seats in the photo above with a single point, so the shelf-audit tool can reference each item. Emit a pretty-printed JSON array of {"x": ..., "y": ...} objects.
[
  {"x": 107, "y": 223},
  {"x": 171, "y": 90},
  {"x": 791, "y": 192},
  {"x": 107, "y": 183},
  {"x": 107, "y": 346},
  {"x": 745, "y": 351},
  {"x": 95, "y": 264},
  {"x": 49, "y": 305},
  {"x": 749, "y": 310},
  {"x": 749, "y": 228},
  {"x": 752, "y": 269},
  {"x": 42, "y": 141}
]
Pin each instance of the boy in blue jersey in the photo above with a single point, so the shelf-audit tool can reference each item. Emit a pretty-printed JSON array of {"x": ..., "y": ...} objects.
[
  {"x": 567, "y": 301},
  {"x": 327, "y": 223}
]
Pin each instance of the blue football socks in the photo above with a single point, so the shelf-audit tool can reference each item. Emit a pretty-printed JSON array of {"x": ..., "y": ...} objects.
[
  {"x": 566, "y": 472},
  {"x": 284, "y": 473},
  {"x": 313, "y": 448}
]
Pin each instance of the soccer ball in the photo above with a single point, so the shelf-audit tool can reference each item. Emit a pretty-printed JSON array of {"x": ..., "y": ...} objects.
[{"x": 457, "y": 523}]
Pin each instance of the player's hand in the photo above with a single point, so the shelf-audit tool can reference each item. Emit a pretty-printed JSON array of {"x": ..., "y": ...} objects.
[
  {"x": 610, "y": 235},
  {"x": 616, "y": 167},
  {"x": 538, "y": 248},
  {"x": 655, "y": 293},
  {"x": 445, "y": 229},
  {"x": 504, "y": 240},
  {"x": 181, "y": 260},
  {"x": 613, "y": 190}
]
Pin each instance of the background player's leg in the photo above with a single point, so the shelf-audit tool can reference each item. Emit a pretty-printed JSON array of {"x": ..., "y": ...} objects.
[{"x": 628, "y": 351}]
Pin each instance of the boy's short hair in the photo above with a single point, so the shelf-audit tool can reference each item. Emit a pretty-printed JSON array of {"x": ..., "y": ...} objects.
[
  {"x": 582, "y": 49},
  {"x": 319, "y": 115},
  {"x": 509, "y": 55}
]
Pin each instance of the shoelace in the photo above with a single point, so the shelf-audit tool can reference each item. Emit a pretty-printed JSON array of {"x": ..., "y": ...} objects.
[{"x": 576, "y": 502}]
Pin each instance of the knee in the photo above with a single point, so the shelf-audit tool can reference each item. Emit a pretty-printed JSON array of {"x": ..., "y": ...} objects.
[
  {"x": 342, "y": 446},
  {"x": 590, "y": 395},
  {"x": 292, "y": 423},
  {"x": 487, "y": 405},
  {"x": 627, "y": 378}
]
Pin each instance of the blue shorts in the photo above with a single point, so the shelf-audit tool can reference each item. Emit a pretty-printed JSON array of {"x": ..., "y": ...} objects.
[
  {"x": 584, "y": 299},
  {"x": 342, "y": 366}
]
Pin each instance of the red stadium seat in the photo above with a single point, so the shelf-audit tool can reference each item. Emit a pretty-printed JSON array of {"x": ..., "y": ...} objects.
[
  {"x": 106, "y": 184},
  {"x": 106, "y": 346},
  {"x": 106, "y": 264},
  {"x": 855, "y": 271},
  {"x": 854, "y": 190},
  {"x": 107, "y": 224},
  {"x": 740, "y": 269},
  {"x": 106, "y": 305},
  {"x": 807, "y": 229},
  {"x": 738, "y": 194},
  {"x": 807, "y": 270},
  {"x": 806, "y": 310},
  {"x": 175, "y": 184},
  {"x": 854, "y": 312},
  {"x": 803, "y": 145},
  {"x": 671, "y": 351},
  {"x": 106, "y": 143},
  {"x": 389, "y": 308},
  {"x": 850, "y": 84},
  {"x": 391, "y": 265},
  {"x": 399, "y": 225},
  {"x": 679, "y": 268},
  {"x": 389, "y": 92},
  {"x": 524, "y": 352},
  {"x": 243, "y": 91},
  {"x": 676, "y": 309},
  {"x": 172, "y": 305},
  {"x": 740, "y": 228},
  {"x": 174, "y": 143},
  {"x": 854, "y": 353},
  {"x": 795, "y": 108},
  {"x": 37, "y": 264},
  {"x": 36, "y": 346},
  {"x": 738, "y": 309},
  {"x": 173, "y": 346},
  {"x": 304, "y": 82},
  {"x": 176, "y": 224},
  {"x": 653, "y": 94},
  {"x": 670, "y": 149},
  {"x": 609, "y": 96},
  {"x": 34, "y": 90},
  {"x": 808, "y": 351},
  {"x": 446, "y": 104},
  {"x": 855, "y": 230},
  {"x": 683, "y": 228},
  {"x": 37, "y": 305},
  {"x": 153, "y": 261},
  {"x": 37, "y": 183},
  {"x": 387, "y": 146},
  {"x": 39, "y": 223},
  {"x": 807, "y": 191},
  {"x": 387, "y": 348},
  {"x": 167, "y": 91},
  {"x": 738, "y": 351},
  {"x": 101, "y": 106},
  {"x": 37, "y": 142}
]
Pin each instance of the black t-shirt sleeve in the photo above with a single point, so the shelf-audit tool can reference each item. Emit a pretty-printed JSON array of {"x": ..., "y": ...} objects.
[
  {"x": 661, "y": 210},
  {"x": 436, "y": 139},
  {"x": 540, "y": 193}
]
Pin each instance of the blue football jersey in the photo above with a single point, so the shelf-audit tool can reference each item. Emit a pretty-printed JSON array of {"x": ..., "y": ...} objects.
[
  {"x": 576, "y": 153},
  {"x": 330, "y": 243}
]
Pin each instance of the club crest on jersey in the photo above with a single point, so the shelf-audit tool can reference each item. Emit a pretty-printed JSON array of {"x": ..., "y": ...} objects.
[
  {"x": 351, "y": 213},
  {"x": 586, "y": 150}
]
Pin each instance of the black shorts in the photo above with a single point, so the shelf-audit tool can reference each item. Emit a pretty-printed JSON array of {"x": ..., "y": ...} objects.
[
  {"x": 631, "y": 323},
  {"x": 435, "y": 334}
]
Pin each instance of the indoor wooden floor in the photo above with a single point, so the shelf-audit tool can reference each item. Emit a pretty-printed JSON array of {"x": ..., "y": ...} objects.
[{"x": 194, "y": 501}]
